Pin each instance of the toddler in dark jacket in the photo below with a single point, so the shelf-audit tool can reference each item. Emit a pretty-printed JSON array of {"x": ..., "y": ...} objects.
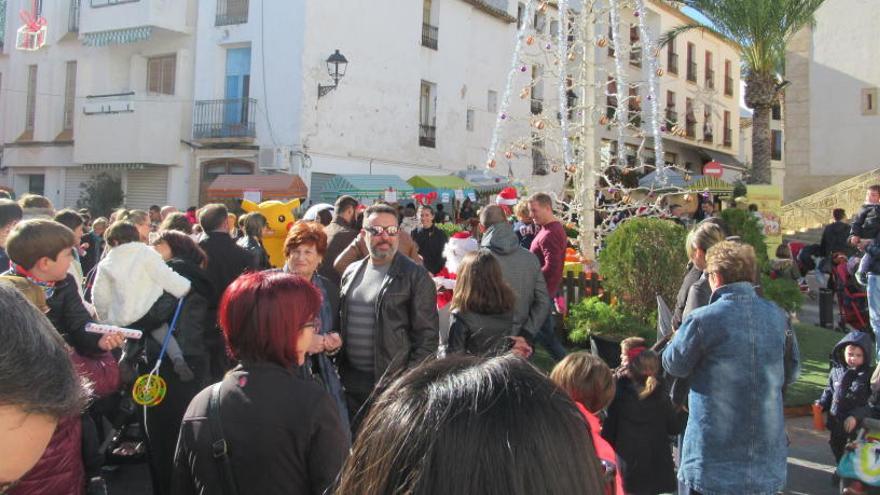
[{"x": 848, "y": 386}]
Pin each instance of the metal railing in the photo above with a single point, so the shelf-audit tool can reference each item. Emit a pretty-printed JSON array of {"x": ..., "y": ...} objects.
[
  {"x": 429, "y": 36},
  {"x": 635, "y": 56},
  {"x": 708, "y": 134},
  {"x": 815, "y": 210},
  {"x": 728, "y": 138},
  {"x": 672, "y": 63},
  {"x": 728, "y": 86},
  {"x": 692, "y": 72},
  {"x": 690, "y": 127},
  {"x": 671, "y": 116},
  {"x": 225, "y": 119},
  {"x": 73, "y": 19},
  {"x": 427, "y": 136},
  {"x": 710, "y": 78},
  {"x": 537, "y": 106},
  {"x": 231, "y": 12}
]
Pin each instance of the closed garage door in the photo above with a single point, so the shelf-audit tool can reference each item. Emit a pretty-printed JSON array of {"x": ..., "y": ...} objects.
[
  {"x": 317, "y": 185},
  {"x": 75, "y": 181},
  {"x": 147, "y": 186}
]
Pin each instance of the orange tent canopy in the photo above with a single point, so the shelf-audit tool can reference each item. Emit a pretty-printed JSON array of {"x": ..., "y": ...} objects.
[{"x": 276, "y": 186}]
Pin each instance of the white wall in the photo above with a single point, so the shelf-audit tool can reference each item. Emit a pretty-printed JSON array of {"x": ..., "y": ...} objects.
[{"x": 845, "y": 60}]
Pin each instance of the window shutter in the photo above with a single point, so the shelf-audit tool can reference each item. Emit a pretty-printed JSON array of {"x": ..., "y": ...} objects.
[
  {"x": 169, "y": 70},
  {"x": 154, "y": 74}
]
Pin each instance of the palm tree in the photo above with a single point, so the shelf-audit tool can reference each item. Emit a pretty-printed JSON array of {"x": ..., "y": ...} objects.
[{"x": 761, "y": 29}]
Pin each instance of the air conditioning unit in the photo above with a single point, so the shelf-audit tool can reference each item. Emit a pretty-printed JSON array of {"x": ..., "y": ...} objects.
[{"x": 275, "y": 159}]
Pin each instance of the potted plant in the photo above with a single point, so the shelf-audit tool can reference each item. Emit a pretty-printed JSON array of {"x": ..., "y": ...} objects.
[{"x": 599, "y": 326}]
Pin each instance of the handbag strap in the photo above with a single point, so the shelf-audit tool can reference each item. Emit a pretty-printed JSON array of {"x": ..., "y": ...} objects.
[{"x": 219, "y": 446}]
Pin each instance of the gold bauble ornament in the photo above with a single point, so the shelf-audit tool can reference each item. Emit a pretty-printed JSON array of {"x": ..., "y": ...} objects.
[
  {"x": 660, "y": 72},
  {"x": 530, "y": 40},
  {"x": 602, "y": 42},
  {"x": 571, "y": 56},
  {"x": 491, "y": 164},
  {"x": 554, "y": 168},
  {"x": 543, "y": 7},
  {"x": 539, "y": 125},
  {"x": 524, "y": 146},
  {"x": 603, "y": 120},
  {"x": 508, "y": 155},
  {"x": 524, "y": 93}
]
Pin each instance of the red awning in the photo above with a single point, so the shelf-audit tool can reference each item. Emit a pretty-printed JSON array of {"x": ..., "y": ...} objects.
[{"x": 276, "y": 186}]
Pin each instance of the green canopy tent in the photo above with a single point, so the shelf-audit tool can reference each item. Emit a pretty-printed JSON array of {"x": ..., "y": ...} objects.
[
  {"x": 442, "y": 185},
  {"x": 366, "y": 188}
]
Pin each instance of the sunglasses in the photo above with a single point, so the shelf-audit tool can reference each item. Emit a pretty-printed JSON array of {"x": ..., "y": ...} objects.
[{"x": 390, "y": 231}]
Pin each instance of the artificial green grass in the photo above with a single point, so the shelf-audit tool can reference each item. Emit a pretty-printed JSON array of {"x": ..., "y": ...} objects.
[{"x": 815, "y": 344}]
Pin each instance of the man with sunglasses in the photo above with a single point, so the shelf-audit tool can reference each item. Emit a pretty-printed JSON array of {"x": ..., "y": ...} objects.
[{"x": 388, "y": 314}]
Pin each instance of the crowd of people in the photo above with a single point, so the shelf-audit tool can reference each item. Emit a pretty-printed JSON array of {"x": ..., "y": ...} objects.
[{"x": 380, "y": 358}]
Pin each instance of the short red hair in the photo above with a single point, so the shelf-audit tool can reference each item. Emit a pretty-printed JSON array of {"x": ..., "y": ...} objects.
[
  {"x": 306, "y": 233},
  {"x": 262, "y": 315}
]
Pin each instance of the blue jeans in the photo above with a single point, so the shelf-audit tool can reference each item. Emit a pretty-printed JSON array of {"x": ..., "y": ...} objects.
[
  {"x": 547, "y": 337},
  {"x": 874, "y": 302}
]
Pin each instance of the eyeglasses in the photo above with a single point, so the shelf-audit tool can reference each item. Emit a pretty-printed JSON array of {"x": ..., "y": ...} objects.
[{"x": 390, "y": 231}]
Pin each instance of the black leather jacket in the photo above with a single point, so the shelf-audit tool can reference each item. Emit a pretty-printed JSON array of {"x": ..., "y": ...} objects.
[
  {"x": 407, "y": 326},
  {"x": 255, "y": 247}
]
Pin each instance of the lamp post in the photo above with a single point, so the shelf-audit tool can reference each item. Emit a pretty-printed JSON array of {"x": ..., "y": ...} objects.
[{"x": 336, "y": 65}]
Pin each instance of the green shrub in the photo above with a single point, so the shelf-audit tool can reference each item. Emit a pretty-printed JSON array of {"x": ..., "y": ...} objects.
[
  {"x": 592, "y": 316},
  {"x": 449, "y": 228},
  {"x": 101, "y": 195},
  {"x": 783, "y": 291},
  {"x": 643, "y": 258},
  {"x": 743, "y": 224}
]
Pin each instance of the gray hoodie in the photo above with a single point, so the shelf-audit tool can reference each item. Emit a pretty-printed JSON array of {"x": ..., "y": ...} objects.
[{"x": 522, "y": 271}]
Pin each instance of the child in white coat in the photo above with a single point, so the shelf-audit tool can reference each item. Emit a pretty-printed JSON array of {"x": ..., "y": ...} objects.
[{"x": 129, "y": 280}]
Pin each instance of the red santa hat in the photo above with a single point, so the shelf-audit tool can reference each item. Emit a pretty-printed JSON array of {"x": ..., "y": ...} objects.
[{"x": 507, "y": 197}]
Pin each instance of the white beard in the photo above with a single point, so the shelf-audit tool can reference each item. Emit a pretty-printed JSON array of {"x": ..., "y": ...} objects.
[{"x": 453, "y": 264}]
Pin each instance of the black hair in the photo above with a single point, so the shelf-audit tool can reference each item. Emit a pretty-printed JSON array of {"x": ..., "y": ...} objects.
[
  {"x": 343, "y": 203},
  {"x": 324, "y": 217},
  {"x": 183, "y": 247},
  {"x": 499, "y": 420},
  {"x": 10, "y": 212},
  {"x": 753, "y": 207},
  {"x": 839, "y": 214}
]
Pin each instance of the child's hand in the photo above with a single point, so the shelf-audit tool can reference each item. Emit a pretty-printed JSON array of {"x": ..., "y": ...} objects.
[
  {"x": 850, "y": 424},
  {"x": 111, "y": 341}
]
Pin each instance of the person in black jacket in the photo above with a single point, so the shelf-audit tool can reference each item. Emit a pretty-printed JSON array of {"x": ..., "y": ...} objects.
[
  {"x": 282, "y": 432},
  {"x": 184, "y": 256},
  {"x": 254, "y": 227},
  {"x": 640, "y": 420},
  {"x": 430, "y": 240},
  {"x": 226, "y": 261},
  {"x": 834, "y": 235}
]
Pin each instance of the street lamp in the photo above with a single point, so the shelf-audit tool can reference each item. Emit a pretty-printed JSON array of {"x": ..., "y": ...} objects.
[{"x": 336, "y": 65}]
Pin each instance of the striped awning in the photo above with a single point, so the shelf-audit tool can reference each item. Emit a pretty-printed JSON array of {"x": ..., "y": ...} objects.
[
  {"x": 115, "y": 166},
  {"x": 711, "y": 184},
  {"x": 118, "y": 36}
]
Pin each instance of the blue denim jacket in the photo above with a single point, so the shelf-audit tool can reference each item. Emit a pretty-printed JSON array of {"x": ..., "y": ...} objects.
[{"x": 734, "y": 351}]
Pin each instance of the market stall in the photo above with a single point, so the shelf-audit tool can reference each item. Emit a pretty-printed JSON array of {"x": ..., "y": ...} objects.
[{"x": 368, "y": 188}]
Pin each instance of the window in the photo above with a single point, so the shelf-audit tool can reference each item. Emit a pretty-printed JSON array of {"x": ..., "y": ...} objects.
[
  {"x": 69, "y": 96},
  {"x": 492, "y": 104},
  {"x": 728, "y": 132},
  {"x": 611, "y": 98},
  {"x": 671, "y": 114},
  {"x": 776, "y": 145},
  {"x": 537, "y": 103},
  {"x": 540, "y": 22},
  {"x": 37, "y": 184},
  {"x": 635, "y": 107},
  {"x": 520, "y": 13},
  {"x": 161, "y": 74},
  {"x": 31, "y": 109},
  {"x": 539, "y": 159},
  {"x": 690, "y": 128},
  {"x": 470, "y": 119},
  {"x": 429, "y": 26},
  {"x": 610, "y": 39},
  {"x": 710, "y": 73},
  {"x": 554, "y": 29},
  {"x": 776, "y": 111},
  {"x": 869, "y": 101},
  {"x": 708, "y": 133},
  {"x": 671, "y": 58},
  {"x": 692, "y": 65},
  {"x": 635, "y": 50},
  {"x": 728, "y": 78},
  {"x": 428, "y": 115},
  {"x": 104, "y": 3},
  {"x": 231, "y": 12}
]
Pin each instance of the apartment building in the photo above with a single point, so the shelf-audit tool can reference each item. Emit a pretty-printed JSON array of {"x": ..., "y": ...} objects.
[
  {"x": 831, "y": 116},
  {"x": 110, "y": 92}
]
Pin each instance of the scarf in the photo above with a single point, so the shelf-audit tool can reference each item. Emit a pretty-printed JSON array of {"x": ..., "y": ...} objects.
[{"x": 48, "y": 287}]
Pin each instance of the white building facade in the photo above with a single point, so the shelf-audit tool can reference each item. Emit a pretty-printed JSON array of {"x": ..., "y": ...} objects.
[{"x": 110, "y": 92}]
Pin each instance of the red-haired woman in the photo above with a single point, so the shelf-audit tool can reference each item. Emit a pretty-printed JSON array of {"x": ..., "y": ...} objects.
[
  {"x": 304, "y": 250},
  {"x": 282, "y": 433}
]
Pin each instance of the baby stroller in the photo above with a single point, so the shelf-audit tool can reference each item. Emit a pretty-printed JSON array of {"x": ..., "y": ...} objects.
[
  {"x": 852, "y": 300},
  {"x": 859, "y": 468}
]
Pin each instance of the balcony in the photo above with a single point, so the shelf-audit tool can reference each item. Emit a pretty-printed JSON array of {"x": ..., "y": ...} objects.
[
  {"x": 537, "y": 106},
  {"x": 427, "y": 136},
  {"x": 113, "y": 22},
  {"x": 539, "y": 162},
  {"x": 129, "y": 128},
  {"x": 692, "y": 72},
  {"x": 231, "y": 12},
  {"x": 671, "y": 117},
  {"x": 73, "y": 17},
  {"x": 224, "y": 121},
  {"x": 708, "y": 136},
  {"x": 728, "y": 138},
  {"x": 728, "y": 86},
  {"x": 429, "y": 36},
  {"x": 690, "y": 127},
  {"x": 672, "y": 63},
  {"x": 710, "y": 78}
]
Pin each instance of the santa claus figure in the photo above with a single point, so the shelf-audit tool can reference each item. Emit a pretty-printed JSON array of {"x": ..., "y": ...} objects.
[
  {"x": 507, "y": 199},
  {"x": 459, "y": 245}
]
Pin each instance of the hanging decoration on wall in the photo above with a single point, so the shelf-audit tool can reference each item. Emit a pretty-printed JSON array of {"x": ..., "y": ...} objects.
[{"x": 32, "y": 35}]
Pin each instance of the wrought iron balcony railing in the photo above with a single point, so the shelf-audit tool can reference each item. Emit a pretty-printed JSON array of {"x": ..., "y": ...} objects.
[{"x": 225, "y": 119}]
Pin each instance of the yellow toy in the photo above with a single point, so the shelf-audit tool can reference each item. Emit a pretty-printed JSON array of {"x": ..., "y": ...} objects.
[{"x": 280, "y": 218}]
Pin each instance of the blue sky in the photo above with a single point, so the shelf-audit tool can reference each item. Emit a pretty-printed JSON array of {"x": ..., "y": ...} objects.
[{"x": 696, "y": 15}]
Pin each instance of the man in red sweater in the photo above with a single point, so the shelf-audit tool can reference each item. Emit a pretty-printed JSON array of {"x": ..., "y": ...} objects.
[{"x": 549, "y": 246}]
